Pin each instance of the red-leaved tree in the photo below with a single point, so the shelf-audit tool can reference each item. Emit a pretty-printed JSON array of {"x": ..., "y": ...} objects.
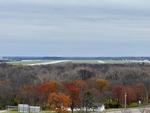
[{"x": 74, "y": 94}]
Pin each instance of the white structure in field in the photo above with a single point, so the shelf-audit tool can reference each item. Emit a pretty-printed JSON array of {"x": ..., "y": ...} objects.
[
  {"x": 25, "y": 108},
  {"x": 99, "y": 108},
  {"x": 35, "y": 109}
]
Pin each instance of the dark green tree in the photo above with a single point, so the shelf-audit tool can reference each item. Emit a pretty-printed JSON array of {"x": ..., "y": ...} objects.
[{"x": 88, "y": 100}]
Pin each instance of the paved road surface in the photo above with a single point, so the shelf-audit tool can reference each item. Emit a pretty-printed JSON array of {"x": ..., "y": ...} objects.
[{"x": 136, "y": 110}]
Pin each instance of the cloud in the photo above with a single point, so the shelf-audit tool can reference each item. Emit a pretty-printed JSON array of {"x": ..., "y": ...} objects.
[
  {"x": 111, "y": 7},
  {"x": 68, "y": 27},
  {"x": 81, "y": 2}
]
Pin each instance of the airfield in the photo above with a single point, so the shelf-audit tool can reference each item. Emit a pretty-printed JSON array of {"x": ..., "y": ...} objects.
[{"x": 49, "y": 62}]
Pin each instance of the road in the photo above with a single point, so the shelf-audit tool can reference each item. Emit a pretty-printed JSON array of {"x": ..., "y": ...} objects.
[{"x": 133, "y": 110}]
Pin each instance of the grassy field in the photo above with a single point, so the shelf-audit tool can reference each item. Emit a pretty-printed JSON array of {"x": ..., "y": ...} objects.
[
  {"x": 50, "y": 112},
  {"x": 28, "y": 62},
  {"x": 85, "y": 61},
  {"x": 34, "y": 62},
  {"x": 44, "y": 61},
  {"x": 100, "y": 61},
  {"x": 40, "y": 112}
]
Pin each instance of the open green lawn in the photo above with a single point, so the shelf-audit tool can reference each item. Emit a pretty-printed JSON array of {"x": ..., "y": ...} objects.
[
  {"x": 84, "y": 61},
  {"x": 40, "y": 112},
  {"x": 99, "y": 61}
]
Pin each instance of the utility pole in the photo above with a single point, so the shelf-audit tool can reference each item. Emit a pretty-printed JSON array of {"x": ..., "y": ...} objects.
[
  {"x": 147, "y": 98},
  {"x": 125, "y": 100}
]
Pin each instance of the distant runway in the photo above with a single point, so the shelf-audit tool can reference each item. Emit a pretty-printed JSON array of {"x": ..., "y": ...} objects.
[{"x": 47, "y": 63}]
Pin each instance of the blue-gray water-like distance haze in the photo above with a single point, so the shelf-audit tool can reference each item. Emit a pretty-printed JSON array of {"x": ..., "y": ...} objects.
[{"x": 74, "y": 27}]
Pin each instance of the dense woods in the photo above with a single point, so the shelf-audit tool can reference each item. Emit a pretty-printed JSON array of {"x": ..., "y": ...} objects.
[{"x": 74, "y": 85}]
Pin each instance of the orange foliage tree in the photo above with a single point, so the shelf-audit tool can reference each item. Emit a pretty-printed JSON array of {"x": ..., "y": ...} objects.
[
  {"x": 102, "y": 84},
  {"x": 59, "y": 102},
  {"x": 45, "y": 89}
]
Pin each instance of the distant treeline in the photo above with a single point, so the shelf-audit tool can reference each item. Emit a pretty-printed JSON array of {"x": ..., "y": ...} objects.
[{"x": 75, "y": 58}]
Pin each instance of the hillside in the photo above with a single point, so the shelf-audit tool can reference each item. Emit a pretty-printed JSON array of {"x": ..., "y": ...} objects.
[{"x": 72, "y": 71}]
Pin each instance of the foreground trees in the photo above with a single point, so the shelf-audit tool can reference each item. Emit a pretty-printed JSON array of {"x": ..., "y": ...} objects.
[
  {"x": 61, "y": 95},
  {"x": 45, "y": 89},
  {"x": 107, "y": 83},
  {"x": 88, "y": 100},
  {"x": 59, "y": 102},
  {"x": 74, "y": 93},
  {"x": 134, "y": 92}
]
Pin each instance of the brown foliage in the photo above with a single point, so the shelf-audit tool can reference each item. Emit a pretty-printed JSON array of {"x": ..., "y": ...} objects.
[
  {"x": 80, "y": 84},
  {"x": 47, "y": 87}
]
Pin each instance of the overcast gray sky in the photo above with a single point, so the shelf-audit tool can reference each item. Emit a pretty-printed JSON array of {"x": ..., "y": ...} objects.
[{"x": 75, "y": 27}]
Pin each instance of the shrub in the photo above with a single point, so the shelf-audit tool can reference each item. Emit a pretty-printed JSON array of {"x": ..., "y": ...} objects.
[{"x": 133, "y": 105}]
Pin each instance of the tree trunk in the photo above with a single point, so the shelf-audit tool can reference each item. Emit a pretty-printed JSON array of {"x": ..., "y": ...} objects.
[
  {"x": 86, "y": 109},
  {"x": 72, "y": 109}
]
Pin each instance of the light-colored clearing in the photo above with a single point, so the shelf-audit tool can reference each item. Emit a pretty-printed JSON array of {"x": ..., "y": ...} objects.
[
  {"x": 101, "y": 62},
  {"x": 47, "y": 63}
]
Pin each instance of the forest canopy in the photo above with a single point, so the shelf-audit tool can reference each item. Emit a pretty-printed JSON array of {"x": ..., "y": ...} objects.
[{"x": 104, "y": 82}]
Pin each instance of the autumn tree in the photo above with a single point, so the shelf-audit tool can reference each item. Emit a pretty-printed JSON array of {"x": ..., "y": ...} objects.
[
  {"x": 59, "y": 102},
  {"x": 74, "y": 94},
  {"x": 140, "y": 91},
  {"x": 27, "y": 94},
  {"x": 102, "y": 84},
  {"x": 118, "y": 91},
  {"x": 45, "y": 89},
  {"x": 131, "y": 95},
  {"x": 80, "y": 84}
]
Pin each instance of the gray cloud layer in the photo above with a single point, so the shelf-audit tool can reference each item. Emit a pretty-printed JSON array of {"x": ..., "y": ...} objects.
[{"x": 75, "y": 27}]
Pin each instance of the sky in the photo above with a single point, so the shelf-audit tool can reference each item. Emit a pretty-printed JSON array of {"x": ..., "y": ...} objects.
[{"x": 74, "y": 28}]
